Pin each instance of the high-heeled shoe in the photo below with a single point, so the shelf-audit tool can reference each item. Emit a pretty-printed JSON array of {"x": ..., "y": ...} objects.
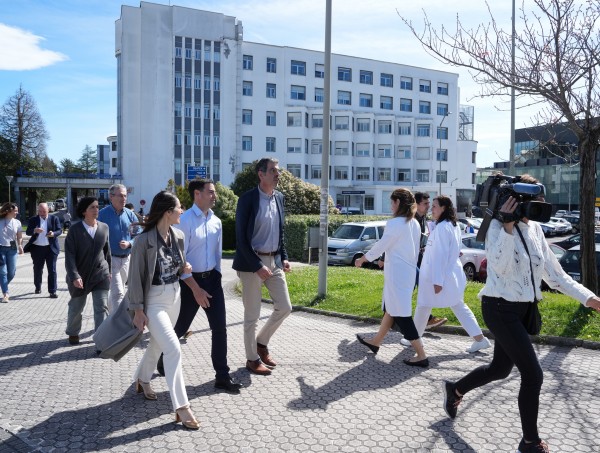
[
  {"x": 149, "y": 394},
  {"x": 187, "y": 419},
  {"x": 374, "y": 349}
]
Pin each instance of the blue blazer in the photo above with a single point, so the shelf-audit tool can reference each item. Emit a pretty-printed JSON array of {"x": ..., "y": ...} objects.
[
  {"x": 246, "y": 259},
  {"x": 53, "y": 225}
]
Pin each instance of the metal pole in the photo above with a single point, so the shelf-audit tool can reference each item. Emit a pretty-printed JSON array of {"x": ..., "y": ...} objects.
[
  {"x": 9, "y": 179},
  {"x": 322, "y": 289},
  {"x": 440, "y": 149},
  {"x": 511, "y": 160}
]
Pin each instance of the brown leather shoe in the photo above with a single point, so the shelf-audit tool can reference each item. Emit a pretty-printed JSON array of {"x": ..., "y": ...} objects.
[
  {"x": 263, "y": 353},
  {"x": 257, "y": 367}
]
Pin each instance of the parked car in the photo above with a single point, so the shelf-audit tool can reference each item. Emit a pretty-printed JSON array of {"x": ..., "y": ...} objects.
[
  {"x": 571, "y": 262},
  {"x": 561, "y": 213},
  {"x": 51, "y": 206},
  {"x": 562, "y": 226},
  {"x": 548, "y": 229},
  {"x": 352, "y": 240},
  {"x": 472, "y": 253},
  {"x": 574, "y": 240},
  {"x": 60, "y": 203},
  {"x": 573, "y": 220},
  {"x": 350, "y": 211}
]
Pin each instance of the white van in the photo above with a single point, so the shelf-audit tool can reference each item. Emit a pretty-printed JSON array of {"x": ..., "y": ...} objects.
[{"x": 352, "y": 240}]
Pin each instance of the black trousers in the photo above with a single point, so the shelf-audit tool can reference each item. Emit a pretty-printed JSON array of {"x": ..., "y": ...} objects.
[
  {"x": 512, "y": 347},
  {"x": 43, "y": 255},
  {"x": 215, "y": 314}
]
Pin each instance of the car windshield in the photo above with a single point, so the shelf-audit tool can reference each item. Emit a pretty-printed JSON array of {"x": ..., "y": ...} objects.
[
  {"x": 348, "y": 232},
  {"x": 571, "y": 257}
]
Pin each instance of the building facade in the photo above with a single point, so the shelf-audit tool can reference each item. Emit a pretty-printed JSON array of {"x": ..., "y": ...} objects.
[{"x": 191, "y": 91}]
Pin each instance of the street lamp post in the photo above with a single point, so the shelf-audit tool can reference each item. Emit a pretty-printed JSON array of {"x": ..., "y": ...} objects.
[
  {"x": 9, "y": 179},
  {"x": 440, "y": 157}
]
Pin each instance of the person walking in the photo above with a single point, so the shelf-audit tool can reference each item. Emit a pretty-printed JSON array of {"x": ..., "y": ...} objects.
[
  {"x": 204, "y": 249},
  {"x": 87, "y": 261},
  {"x": 518, "y": 258},
  {"x": 119, "y": 220},
  {"x": 157, "y": 262},
  {"x": 11, "y": 245},
  {"x": 442, "y": 279},
  {"x": 261, "y": 258},
  {"x": 400, "y": 242},
  {"x": 44, "y": 230}
]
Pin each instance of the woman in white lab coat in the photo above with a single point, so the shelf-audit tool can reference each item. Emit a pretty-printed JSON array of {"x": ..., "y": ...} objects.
[
  {"x": 442, "y": 280},
  {"x": 400, "y": 242}
]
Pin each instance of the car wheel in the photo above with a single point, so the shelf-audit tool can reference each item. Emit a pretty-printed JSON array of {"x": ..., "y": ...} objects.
[{"x": 469, "y": 271}]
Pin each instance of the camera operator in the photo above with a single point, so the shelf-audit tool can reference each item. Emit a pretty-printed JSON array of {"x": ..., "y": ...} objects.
[{"x": 505, "y": 300}]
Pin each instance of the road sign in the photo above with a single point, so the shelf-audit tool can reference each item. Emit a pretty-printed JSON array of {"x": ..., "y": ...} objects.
[
  {"x": 353, "y": 192},
  {"x": 194, "y": 172}
]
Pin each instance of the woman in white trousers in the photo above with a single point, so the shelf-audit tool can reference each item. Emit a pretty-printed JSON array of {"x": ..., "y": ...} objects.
[{"x": 442, "y": 280}]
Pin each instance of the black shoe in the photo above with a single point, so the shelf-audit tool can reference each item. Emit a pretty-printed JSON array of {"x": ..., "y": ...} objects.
[
  {"x": 160, "y": 367},
  {"x": 53, "y": 296},
  {"x": 374, "y": 349},
  {"x": 538, "y": 446},
  {"x": 38, "y": 291},
  {"x": 420, "y": 363},
  {"x": 229, "y": 385},
  {"x": 451, "y": 401}
]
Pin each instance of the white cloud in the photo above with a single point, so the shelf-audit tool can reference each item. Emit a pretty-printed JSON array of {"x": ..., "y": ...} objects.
[{"x": 20, "y": 50}]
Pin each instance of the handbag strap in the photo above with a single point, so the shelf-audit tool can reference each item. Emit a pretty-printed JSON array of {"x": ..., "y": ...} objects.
[{"x": 530, "y": 264}]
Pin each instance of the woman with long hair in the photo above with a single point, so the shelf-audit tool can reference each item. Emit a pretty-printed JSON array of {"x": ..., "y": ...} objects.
[
  {"x": 157, "y": 261},
  {"x": 400, "y": 242},
  {"x": 442, "y": 279},
  {"x": 11, "y": 244}
]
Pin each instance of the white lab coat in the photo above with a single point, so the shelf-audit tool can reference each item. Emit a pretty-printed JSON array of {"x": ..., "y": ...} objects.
[
  {"x": 441, "y": 266},
  {"x": 400, "y": 242}
]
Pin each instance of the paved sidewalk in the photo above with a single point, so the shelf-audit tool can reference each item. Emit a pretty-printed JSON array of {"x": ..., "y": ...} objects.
[{"x": 327, "y": 394}]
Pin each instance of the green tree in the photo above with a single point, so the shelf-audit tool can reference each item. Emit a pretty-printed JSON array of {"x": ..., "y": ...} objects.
[
  {"x": 88, "y": 161},
  {"x": 226, "y": 199},
  {"x": 68, "y": 166}
]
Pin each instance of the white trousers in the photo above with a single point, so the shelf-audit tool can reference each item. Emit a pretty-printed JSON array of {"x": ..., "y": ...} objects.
[
  {"x": 462, "y": 312},
  {"x": 162, "y": 310},
  {"x": 119, "y": 269}
]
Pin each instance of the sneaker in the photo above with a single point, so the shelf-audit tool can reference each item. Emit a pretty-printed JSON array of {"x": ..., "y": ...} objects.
[
  {"x": 535, "y": 447},
  {"x": 451, "y": 401},
  {"x": 4, "y": 300},
  {"x": 479, "y": 345},
  {"x": 405, "y": 342},
  {"x": 435, "y": 321}
]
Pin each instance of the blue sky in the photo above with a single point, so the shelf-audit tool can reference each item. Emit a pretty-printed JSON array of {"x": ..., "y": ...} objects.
[{"x": 62, "y": 52}]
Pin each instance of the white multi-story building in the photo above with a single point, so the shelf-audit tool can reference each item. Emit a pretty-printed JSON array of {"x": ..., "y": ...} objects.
[{"x": 192, "y": 92}]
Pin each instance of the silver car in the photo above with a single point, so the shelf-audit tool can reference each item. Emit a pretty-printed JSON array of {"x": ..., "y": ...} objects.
[{"x": 352, "y": 240}]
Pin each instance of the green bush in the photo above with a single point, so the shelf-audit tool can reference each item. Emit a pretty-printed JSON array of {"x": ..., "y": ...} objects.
[{"x": 228, "y": 233}]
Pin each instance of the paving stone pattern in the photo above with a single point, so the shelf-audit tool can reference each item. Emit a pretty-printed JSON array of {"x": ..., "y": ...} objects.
[{"x": 327, "y": 394}]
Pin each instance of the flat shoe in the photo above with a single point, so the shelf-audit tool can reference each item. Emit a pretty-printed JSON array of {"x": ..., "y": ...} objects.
[
  {"x": 420, "y": 363},
  {"x": 374, "y": 349}
]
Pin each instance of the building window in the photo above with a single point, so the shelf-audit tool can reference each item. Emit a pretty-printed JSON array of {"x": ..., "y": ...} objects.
[
  {"x": 384, "y": 151},
  {"x": 247, "y": 88},
  {"x": 187, "y": 138},
  {"x": 405, "y": 105},
  {"x": 422, "y": 175},
  {"x": 177, "y": 109},
  {"x": 340, "y": 173},
  {"x": 386, "y": 102},
  {"x": 216, "y": 138},
  {"x": 319, "y": 95},
  {"x": 369, "y": 203},
  {"x": 425, "y": 107},
  {"x": 363, "y": 173},
  {"x": 404, "y": 129},
  {"x": 403, "y": 175},
  {"x": 187, "y": 111},
  {"x": 295, "y": 169},
  {"x": 442, "y": 133},
  {"x": 246, "y": 116},
  {"x": 365, "y": 100},
  {"x": 363, "y": 125},
  {"x": 217, "y": 112},
  {"x": 406, "y": 83},
  {"x": 294, "y": 119},
  {"x": 341, "y": 149},
  {"x": 403, "y": 152},
  {"x": 441, "y": 155},
  {"x": 188, "y": 54},
  {"x": 294, "y": 145},
  {"x": 271, "y": 90},
  {"x": 366, "y": 77},
  {"x": 270, "y": 144},
  {"x": 384, "y": 174},
  {"x": 441, "y": 176},
  {"x": 319, "y": 71},
  {"x": 423, "y": 153},
  {"x": 384, "y": 127},
  {"x": 317, "y": 120},
  {"x": 363, "y": 149},
  {"x": 423, "y": 130},
  {"x": 425, "y": 86},
  {"x": 387, "y": 80},
  {"x": 178, "y": 137},
  {"x": 197, "y": 82},
  {"x": 298, "y": 93},
  {"x": 344, "y": 97},
  {"x": 207, "y": 84},
  {"x": 271, "y": 118},
  {"x": 177, "y": 52},
  {"x": 246, "y": 143},
  {"x": 298, "y": 67},
  {"x": 473, "y": 157},
  {"x": 207, "y": 51},
  {"x": 178, "y": 80},
  {"x": 316, "y": 147},
  {"x": 197, "y": 110},
  {"x": 206, "y": 138},
  {"x": 272, "y": 65},
  {"x": 345, "y": 74},
  {"x": 197, "y": 138},
  {"x": 442, "y": 88},
  {"x": 188, "y": 80},
  {"x": 217, "y": 84},
  {"x": 248, "y": 62},
  {"x": 207, "y": 111},
  {"x": 315, "y": 171},
  {"x": 442, "y": 109},
  {"x": 342, "y": 123},
  {"x": 198, "y": 54}
]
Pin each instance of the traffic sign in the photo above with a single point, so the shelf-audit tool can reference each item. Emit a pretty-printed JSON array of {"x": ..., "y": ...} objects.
[{"x": 194, "y": 172}]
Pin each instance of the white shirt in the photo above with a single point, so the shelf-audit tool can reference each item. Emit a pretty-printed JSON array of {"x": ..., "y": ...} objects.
[
  {"x": 42, "y": 239},
  {"x": 8, "y": 231},
  {"x": 90, "y": 229},
  {"x": 203, "y": 240}
]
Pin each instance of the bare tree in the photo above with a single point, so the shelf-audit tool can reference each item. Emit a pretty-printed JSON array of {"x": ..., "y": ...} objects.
[{"x": 557, "y": 60}]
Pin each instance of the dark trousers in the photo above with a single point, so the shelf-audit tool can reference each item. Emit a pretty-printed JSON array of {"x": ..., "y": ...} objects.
[
  {"x": 40, "y": 255},
  {"x": 407, "y": 327},
  {"x": 215, "y": 315},
  {"x": 512, "y": 347}
]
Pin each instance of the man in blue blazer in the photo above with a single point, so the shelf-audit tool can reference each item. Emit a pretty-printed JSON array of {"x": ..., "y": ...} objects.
[
  {"x": 44, "y": 230},
  {"x": 260, "y": 257}
]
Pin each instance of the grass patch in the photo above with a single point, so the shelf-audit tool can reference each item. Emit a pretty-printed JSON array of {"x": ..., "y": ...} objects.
[{"x": 358, "y": 292}]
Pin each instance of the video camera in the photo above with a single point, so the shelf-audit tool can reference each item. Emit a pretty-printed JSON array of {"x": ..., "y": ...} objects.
[{"x": 493, "y": 193}]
